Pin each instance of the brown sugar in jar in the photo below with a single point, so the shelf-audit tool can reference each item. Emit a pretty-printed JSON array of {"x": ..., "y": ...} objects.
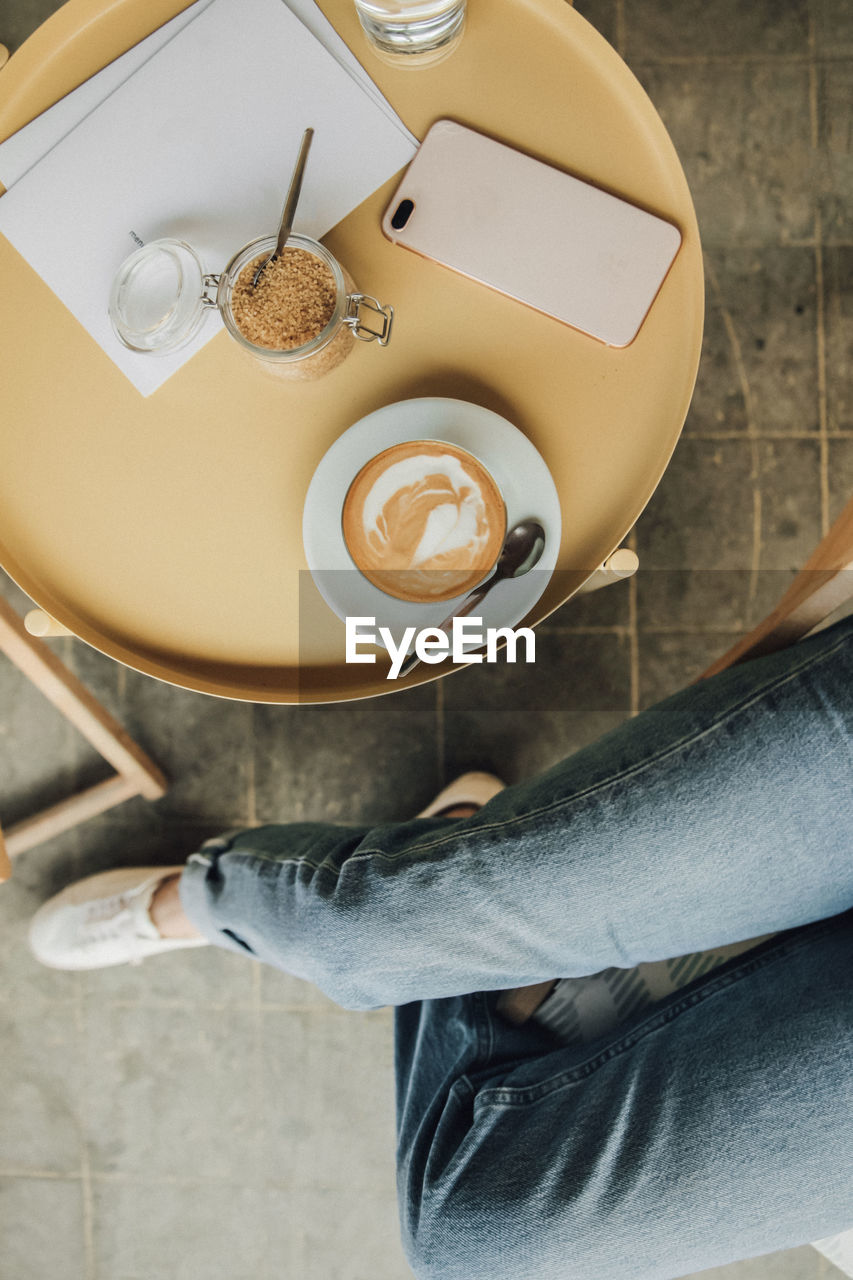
[
  {"x": 297, "y": 318},
  {"x": 290, "y": 305},
  {"x": 292, "y": 319}
]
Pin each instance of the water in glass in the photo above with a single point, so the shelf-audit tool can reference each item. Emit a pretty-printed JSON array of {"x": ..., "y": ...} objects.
[{"x": 421, "y": 31}]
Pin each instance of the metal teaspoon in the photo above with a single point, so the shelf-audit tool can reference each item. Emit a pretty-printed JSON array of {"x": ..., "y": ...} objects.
[
  {"x": 289, "y": 211},
  {"x": 521, "y": 552}
]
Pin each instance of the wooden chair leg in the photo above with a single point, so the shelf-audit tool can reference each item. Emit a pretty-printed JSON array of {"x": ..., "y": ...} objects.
[
  {"x": 136, "y": 772},
  {"x": 5, "y": 864},
  {"x": 823, "y": 585}
]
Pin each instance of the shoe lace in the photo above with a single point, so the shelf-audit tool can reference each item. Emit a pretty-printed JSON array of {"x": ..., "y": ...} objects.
[{"x": 113, "y": 917}]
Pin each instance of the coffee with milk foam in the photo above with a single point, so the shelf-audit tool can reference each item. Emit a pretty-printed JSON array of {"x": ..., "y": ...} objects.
[{"x": 424, "y": 521}]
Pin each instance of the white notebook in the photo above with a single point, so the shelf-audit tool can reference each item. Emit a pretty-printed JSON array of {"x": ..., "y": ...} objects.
[{"x": 198, "y": 144}]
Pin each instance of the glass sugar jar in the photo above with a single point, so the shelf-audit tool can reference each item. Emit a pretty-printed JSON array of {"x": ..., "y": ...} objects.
[{"x": 301, "y": 320}]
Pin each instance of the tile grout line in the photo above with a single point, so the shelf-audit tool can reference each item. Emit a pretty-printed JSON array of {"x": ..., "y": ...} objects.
[
  {"x": 85, "y": 1162},
  {"x": 693, "y": 629},
  {"x": 140, "y": 1002},
  {"x": 621, "y": 30},
  {"x": 783, "y": 242},
  {"x": 237, "y": 1004},
  {"x": 765, "y": 435},
  {"x": 168, "y": 1180},
  {"x": 751, "y": 433},
  {"x": 820, "y": 336},
  {"x": 675, "y": 629},
  {"x": 617, "y": 629},
  {"x": 257, "y": 1072},
  {"x": 164, "y": 1006},
  {"x": 88, "y": 1216},
  {"x": 737, "y": 60}
]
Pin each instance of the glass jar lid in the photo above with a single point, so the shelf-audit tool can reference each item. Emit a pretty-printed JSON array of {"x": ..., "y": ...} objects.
[{"x": 157, "y": 302}]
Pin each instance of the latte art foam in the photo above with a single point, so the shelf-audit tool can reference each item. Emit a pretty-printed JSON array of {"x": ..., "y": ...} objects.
[{"x": 424, "y": 521}]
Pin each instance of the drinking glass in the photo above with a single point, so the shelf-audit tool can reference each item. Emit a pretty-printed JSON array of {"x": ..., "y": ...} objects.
[{"x": 412, "y": 32}]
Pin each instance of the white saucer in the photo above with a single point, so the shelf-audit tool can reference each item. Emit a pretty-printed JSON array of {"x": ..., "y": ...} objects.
[{"x": 518, "y": 468}]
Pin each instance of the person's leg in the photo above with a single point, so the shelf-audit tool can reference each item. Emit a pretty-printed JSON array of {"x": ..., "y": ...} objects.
[
  {"x": 719, "y": 815},
  {"x": 703, "y": 1131},
  {"x": 712, "y": 1127},
  {"x": 167, "y": 913}
]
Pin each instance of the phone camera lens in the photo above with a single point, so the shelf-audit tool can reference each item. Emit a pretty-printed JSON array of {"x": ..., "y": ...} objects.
[{"x": 402, "y": 214}]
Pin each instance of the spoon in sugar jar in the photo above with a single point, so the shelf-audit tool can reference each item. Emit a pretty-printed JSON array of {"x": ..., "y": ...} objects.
[
  {"x": 521, "y": 552},
  {"x": 289, "y": 211}
]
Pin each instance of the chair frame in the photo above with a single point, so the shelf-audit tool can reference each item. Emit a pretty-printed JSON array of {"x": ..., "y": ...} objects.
[
  {"x": 822, "y": 586},
  {"x": 136, "y": 774}
]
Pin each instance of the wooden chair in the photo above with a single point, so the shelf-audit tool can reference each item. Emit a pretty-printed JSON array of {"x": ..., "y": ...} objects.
[
  {"x": 821, "y": 588},
  {"x": 136, "y": 773}
]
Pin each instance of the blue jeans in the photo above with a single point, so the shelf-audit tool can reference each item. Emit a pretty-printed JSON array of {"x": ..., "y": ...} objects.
[{"x": 714, "y": 1126}]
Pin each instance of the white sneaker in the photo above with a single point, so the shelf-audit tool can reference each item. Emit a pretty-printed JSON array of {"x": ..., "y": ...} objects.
[{"x": 103, "y": 920}]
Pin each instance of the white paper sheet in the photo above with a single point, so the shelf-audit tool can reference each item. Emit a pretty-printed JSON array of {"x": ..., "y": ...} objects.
[
  {"x": 25, "y": 148},
  {"x": 320, "y": 27},
  {"x": 198, "y": 144}
]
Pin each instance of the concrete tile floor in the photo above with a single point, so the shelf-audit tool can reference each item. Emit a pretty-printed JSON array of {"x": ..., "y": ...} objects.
[{"x": 203, "y": 1117}]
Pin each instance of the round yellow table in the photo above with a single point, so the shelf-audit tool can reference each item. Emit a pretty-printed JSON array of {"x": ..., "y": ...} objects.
[{"x": 175, "y": 547}]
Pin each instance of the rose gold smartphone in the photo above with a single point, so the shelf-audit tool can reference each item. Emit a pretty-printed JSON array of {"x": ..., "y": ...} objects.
[{"x": 553, "y": 242}]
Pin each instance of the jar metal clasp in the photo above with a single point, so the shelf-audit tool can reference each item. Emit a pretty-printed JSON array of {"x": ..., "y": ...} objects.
[
  {"x": 360, "y": 316},
  {"x": 208, "y": 293}
]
